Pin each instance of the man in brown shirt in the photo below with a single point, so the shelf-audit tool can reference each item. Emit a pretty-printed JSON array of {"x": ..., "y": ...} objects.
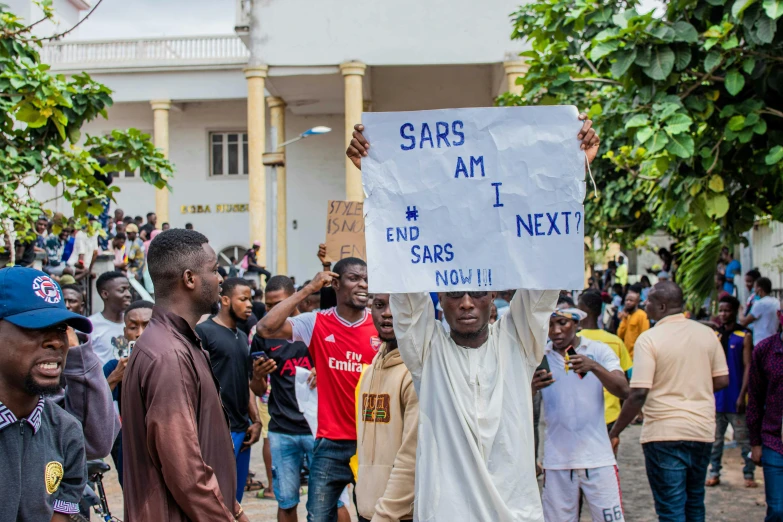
[{"x": 178, "y": 453}]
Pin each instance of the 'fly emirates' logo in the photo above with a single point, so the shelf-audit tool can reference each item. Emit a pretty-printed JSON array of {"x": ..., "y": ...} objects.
[{"x": 352, "y": 364}]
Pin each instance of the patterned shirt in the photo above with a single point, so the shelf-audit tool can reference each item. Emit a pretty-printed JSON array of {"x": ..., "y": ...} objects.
[
  {"x": 765, "y": 394},
  {"x": 135, "y": 253}
]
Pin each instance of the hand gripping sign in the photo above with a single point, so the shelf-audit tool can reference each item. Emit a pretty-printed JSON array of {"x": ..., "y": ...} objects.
[{"x": 474, "y": 199}]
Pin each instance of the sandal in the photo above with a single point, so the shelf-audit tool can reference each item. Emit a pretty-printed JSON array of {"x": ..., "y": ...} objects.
[
  {"x": 712, "y": 482},
  {"x": 751, "y": 483},
  {"x": 253, "y": 485}
]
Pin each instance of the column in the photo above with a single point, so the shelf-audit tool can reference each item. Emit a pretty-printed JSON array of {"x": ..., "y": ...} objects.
[
  {"x": 353, "y": 72},
  {"x": 160, "y": 112},
  {"x": 277, "y": 122},
  {"x": 513, "y": 71},
  {"x": 256, "y": 146}
]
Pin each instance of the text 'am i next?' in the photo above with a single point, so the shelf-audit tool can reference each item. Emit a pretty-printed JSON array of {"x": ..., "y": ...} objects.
[{"x": 474, "y": 199}]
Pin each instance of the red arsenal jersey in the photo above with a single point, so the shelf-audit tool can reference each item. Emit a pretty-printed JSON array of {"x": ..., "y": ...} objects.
[{"x": 340, "y": 350}]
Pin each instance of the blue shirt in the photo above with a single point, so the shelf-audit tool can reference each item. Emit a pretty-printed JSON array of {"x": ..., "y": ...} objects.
[
  {"x": 733, "y": 342},
  {"x": 732, "y": 269}
]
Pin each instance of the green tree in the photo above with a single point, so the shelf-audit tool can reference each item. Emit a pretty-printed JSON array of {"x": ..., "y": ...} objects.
[
  {"x": 41, "y": 116},
  {"x": 689, "y": 107}
]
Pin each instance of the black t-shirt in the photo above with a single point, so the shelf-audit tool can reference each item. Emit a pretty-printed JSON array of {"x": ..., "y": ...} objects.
[
  {"x": 230, "y": 359},
  {"x": 283, "y": 408},
  {"x": 247, "y": 325},
  {"x": 259, "y": 309},
  {"x": 148, "y": 228}
]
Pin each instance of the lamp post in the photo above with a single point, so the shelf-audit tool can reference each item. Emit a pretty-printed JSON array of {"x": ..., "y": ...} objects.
[{"x": 274, "y": 160}]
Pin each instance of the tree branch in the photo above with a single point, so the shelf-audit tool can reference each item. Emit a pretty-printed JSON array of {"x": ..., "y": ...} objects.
[
  {"x": 773, "y": 112},
  {"x": 716, "y": 151},
  {"x": 596, "y": 80},
  {"x": 58, "y": 36},
  {"x": 589, "y": 64}
]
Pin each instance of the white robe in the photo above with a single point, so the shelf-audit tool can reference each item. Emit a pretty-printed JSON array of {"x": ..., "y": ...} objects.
[{"x": 475, "y": 458}]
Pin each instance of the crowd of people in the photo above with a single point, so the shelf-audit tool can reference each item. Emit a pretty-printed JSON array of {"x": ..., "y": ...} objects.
[{"x": 427, "y": 403}]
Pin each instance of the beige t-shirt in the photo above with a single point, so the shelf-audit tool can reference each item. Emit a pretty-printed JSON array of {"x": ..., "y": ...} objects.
[{"x": 677, "y": 360}]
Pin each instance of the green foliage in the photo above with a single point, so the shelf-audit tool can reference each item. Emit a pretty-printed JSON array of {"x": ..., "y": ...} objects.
[
  {"x": 689, "y": 107},
  {"x": 41, "y": 116}
]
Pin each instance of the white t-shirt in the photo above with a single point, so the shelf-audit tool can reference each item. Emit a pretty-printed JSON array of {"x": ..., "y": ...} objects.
[
  {"x": 475, "y": 459},
  {"x": 765, "y": 310},
  {"x": 104, "y": 333},
  {"x": 576, "y": 436},
  {"x": 83, "y": 244}
]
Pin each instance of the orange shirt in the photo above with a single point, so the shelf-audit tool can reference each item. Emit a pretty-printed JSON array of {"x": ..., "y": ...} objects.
[{"x": 631, "y": 327}]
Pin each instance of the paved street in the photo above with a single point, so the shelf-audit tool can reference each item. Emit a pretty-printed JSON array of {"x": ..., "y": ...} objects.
[{"x": 729, "y": 502}]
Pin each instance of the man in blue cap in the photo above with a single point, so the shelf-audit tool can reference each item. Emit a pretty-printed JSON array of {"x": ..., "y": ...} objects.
[{"x": 44, "y": 472}]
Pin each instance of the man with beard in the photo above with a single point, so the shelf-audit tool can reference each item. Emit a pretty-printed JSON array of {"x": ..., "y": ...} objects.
[
  {"x": 177, "y": 447},
  {"x": 229, "y": 354},
  {"x": 387, "y": 418},
  {"x": 43, "y": 472},
  {"x": 475, "y": 458},
  {"x": 340, "y": 341}
]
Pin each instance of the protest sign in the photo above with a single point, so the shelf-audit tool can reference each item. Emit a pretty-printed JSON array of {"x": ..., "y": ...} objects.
[
  {"x": 474, "y": 199},
  {"x": 345, "y": 230}
]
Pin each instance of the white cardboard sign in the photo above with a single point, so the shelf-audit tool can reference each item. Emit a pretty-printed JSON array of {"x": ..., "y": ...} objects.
[{"x": 474, "y": 199}]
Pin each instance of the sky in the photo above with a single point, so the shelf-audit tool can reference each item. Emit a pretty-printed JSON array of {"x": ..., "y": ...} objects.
[{"x": 119, "y": 19}]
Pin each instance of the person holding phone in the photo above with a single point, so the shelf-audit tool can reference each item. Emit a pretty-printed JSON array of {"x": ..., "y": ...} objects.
[{"x": 578, "y": 455}]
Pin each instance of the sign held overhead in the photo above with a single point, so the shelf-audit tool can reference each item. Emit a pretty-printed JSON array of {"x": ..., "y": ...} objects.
[{"x": 474, "y": 199}]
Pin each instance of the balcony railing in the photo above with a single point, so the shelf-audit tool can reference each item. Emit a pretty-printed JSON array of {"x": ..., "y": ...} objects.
[{"x": 146, "y": 53}]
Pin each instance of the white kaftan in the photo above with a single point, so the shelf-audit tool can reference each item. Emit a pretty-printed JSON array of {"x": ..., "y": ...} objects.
[{"x": 475, "y": 457}]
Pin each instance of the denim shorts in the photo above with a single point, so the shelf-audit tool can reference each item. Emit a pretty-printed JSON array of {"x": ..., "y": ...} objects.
[{"x": 288, "y": 454}]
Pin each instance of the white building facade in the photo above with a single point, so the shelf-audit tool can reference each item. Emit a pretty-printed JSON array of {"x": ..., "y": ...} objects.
[{"x": 215, "y": 104}]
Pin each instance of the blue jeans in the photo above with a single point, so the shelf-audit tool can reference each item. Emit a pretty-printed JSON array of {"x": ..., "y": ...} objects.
[
  {"x": 288, "y": 454},
  {"x": 773, "y": 483},
  {"x": 737, "y": 421},
  {"x": 243, "y": 462},
  {"x": 330, "y": 472},
  {"x": 676, "y": 471}
]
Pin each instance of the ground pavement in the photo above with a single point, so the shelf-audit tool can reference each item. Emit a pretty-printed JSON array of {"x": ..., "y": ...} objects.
[{"x": 729, "y": 502}]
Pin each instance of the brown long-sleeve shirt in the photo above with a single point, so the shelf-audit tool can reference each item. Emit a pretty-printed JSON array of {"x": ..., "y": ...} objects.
[{"x": 177, "y": 448}]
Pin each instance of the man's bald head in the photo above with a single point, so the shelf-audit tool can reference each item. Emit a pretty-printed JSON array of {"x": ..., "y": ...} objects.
[{"x": 665, "y": 299}]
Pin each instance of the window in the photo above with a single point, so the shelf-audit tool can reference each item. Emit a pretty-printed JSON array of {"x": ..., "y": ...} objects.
[{"x": 228, "y": 153}]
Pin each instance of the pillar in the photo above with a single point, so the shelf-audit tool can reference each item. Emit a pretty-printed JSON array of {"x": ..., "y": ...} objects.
[
  {"x": 353, "y": 72},
  {"x": 256, "y": 146},
  {"x": 160, "y": 113},
  {"x": 514, "y": 70},
  {"x": 277, "y": 122}
]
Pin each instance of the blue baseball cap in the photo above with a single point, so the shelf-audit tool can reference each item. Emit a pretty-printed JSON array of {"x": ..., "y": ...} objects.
[{"x": 31, "y": 299}]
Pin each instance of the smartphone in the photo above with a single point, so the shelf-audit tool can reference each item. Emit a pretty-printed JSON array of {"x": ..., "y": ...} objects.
[
  {"x": 259, "y": 355},
  {"x": 544, "y": 365},
  {"x": 572, "y": 352}
]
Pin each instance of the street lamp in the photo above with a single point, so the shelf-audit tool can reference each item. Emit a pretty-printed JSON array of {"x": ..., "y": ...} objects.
[
  {"x": 309, "y": 132},
  {"x": 277, "y": 159}
]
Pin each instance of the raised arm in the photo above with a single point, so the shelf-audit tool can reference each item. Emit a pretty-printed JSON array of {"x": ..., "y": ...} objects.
[
  {"x": 528, "y": 321},
  {"x": 172, "y": 441},
  {"x": 414, "y": 325},
  {"x": 274, "y": 324}
]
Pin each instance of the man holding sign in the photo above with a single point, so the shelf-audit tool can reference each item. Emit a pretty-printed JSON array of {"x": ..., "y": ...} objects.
[{"x": 475, "y": 448}]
